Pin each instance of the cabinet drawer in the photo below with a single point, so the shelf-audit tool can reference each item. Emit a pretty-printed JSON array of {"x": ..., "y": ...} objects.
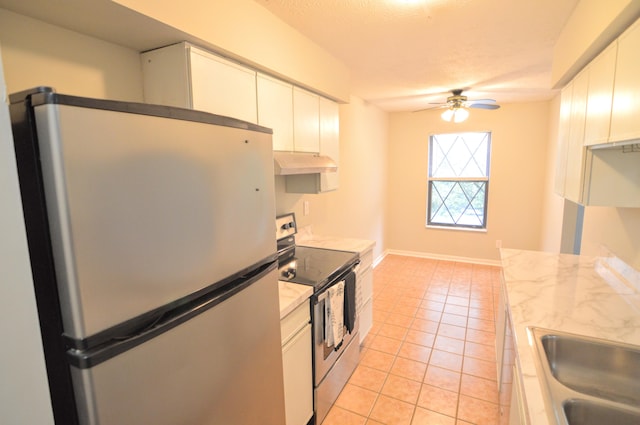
[
  {"x": 366, "y": 259},
  {"x": 295, "y": 321},
  {"x": 364, "y": 287},
  {"x": 365, "y": 315}
]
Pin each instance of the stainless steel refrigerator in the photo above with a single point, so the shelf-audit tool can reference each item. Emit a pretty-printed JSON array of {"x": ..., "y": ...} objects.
[{"x": 151, "y": 237}]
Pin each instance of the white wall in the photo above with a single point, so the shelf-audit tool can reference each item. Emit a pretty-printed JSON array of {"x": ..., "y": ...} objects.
[
  {"x": 518, "y": 154},
  {"x": 39, "y": 54},
  {"x": 24, "y": 392},
  {"x": 36, "y": 54},
  {"x": 617, "y": 230},
  {"x": 552, "y": 204},
  {"x": 590, "y": 28},
  {"x": 247, "y": 31}
]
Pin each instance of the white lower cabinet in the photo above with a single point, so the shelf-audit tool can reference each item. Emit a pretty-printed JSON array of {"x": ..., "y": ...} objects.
[
  {"x": 510, "y": 392},
  {"x": 297, "y": 365},
  {"x": 501, "y": 323},
  {"x": 364, "y": 293},
  {"x": 517, "y": 414}
]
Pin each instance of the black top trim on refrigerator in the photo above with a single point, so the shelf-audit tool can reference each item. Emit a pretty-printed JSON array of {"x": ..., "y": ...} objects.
[
  {"x": 47, "y": 95},
  {"x": 92, "y": 357}
]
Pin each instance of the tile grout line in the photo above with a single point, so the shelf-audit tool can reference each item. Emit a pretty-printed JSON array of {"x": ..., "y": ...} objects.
[{"x": 394, "y": 300}]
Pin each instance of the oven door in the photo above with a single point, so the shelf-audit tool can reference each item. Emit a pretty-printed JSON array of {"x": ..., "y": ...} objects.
[{"x": 325, "y": 356}]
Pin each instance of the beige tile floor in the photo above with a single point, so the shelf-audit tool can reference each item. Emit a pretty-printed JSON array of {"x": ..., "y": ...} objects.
[{"x": 430, "y": 356}]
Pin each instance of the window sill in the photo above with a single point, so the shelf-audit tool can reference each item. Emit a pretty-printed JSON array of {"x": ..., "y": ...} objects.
[{"x": 458, "y": 229}]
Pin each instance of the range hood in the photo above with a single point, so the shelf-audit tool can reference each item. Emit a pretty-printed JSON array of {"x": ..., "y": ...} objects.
[{"x": 290, "y": 163}]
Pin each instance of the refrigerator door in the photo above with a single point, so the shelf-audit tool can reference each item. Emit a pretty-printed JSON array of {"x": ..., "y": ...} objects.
[
  {"x": 144, "y": 210},
  {"x": 223, "y": 366}
]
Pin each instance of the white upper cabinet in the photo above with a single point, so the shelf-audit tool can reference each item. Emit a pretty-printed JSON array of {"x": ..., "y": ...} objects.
[
  {"x": 166, "y": 79},
  {"x": 222, "y": 87},
  {"x": 186, "y": 76},
  {"x": 306, "y": 121},
  {"x": 625, "y": 124},
  {"x": 600, "y": 95},
  {"x": 329, "y": 128},
  {"x": 599, "y": 112},
  {"x": 329, "y": 141},
  {"x": 275, "y": 110},
  {"x": 575, "y": 149},
  {"x": 563, "y": 138}
]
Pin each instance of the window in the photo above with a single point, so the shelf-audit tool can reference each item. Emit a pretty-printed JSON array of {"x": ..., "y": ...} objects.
[{"x": 458, "y": 180}]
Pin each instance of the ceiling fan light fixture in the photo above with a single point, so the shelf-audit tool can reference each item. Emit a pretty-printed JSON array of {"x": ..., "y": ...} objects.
[{"x": 455, "y": 114}]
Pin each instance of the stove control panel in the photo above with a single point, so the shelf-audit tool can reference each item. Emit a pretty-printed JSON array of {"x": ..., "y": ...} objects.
[{"x": 286, "y": 226}]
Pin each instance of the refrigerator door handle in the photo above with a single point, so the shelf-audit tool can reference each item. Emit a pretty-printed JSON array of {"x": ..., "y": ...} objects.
[{"x": 84, "y": 359}]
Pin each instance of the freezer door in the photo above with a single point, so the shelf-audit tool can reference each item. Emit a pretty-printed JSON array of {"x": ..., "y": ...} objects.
[
  {"x": 223, "y": 366},
  {"x": 144, "y": 210}
]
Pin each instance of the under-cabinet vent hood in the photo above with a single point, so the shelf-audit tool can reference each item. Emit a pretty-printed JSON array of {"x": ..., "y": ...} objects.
[
  {"x": 625, "y": 146},
  {"x": 289, "y": 163}
]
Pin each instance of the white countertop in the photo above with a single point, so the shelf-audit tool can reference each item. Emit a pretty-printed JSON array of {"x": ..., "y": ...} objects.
[
  {"x": 292, "y": 295},
  {"x": 590, "y": 296},
  {"x": 305, "y": 238}
]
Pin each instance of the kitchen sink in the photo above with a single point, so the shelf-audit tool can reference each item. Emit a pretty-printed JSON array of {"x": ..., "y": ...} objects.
[
  {"x": 586, "y": 380},
  {"x": 606, "y": 370},
  {"x": 582, "y": 412}
]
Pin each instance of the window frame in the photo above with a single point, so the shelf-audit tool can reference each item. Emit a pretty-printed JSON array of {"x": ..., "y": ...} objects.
[{"x": 485, "y": 180}]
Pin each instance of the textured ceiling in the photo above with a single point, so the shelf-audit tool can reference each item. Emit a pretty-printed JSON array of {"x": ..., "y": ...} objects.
[{"x": 403, "y": 54}]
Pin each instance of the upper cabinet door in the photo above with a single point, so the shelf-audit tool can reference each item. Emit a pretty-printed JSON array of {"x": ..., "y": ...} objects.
[
  {"x": 222, "y": 87},
  {"x": 306, "y": 121},
  {"x": 626, "y": 94},
  {"x": 165, "y": 73},
  {"x": 600, "y": 95},
  {"x": 186, "y": 76},
  {"x": 329, "y": 141},
  {"x": 275, "y": 110},
  {"x": 563, "y": 139},
  {"x": 574, "y": 181}
]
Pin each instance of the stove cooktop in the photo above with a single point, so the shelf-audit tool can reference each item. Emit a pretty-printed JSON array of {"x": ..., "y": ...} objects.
[{"x": 314, "y": 266}]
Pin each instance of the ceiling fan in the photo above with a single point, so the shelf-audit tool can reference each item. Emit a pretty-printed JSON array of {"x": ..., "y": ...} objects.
[{"x": 457, "y": 104}]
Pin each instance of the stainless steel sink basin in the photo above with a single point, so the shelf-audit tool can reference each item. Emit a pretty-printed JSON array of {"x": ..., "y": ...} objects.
[
  {"x": 586, "y": 380},
  {"x": 605, "y": 370},
  {"x": 581, "y": 412}
]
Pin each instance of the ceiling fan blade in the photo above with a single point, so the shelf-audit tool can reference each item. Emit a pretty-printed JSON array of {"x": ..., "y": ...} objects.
[
  {"x": 484, "y": 106},
  {"x": 482, "y": 100},
  {"x": 439, "y": 106}
]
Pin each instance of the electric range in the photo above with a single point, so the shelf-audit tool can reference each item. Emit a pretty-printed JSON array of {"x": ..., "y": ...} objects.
[{"x": 333, "y": 361}]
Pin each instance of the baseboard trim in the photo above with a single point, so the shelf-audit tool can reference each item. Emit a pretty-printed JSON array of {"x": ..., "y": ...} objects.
[{"x": 480, "y": 261}]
